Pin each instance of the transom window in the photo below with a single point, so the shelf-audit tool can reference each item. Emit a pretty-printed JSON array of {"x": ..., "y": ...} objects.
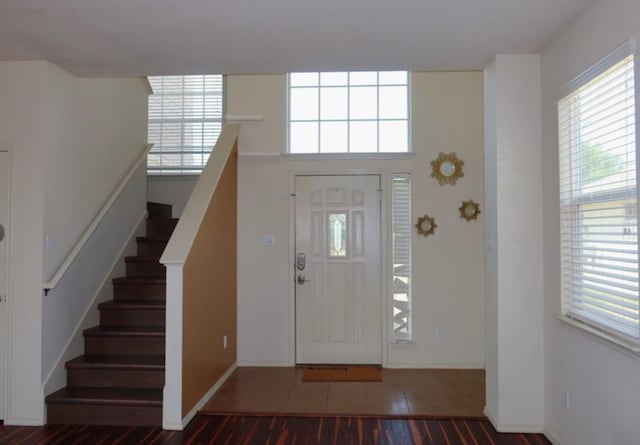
[
  {"x": 598, "y": 197},
  {"x": 185, "y": 120},
  {"x": 349, "y": 112}
]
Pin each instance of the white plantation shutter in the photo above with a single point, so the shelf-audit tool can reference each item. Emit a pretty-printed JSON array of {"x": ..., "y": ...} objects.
[
  {"x": 402, "y": 230},
  {"x": 598, "y": 197},
  {"x": 185, "y": 119}
]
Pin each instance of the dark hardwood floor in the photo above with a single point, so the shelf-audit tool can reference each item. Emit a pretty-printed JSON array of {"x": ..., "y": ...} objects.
[{"x": 257, "y": 430}]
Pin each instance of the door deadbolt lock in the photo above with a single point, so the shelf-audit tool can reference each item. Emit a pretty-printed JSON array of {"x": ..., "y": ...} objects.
[{"x": 301, "y": 261}]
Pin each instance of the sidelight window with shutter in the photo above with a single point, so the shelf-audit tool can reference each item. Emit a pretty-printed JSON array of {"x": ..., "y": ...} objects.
[
  {"x": 598, "y": 197},
  {"x": 401, "y": 280}
]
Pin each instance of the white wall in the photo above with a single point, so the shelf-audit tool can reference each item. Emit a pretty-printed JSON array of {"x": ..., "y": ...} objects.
[
  {"x": 174, "y": 190},
  {"x": 515, "y": 378},
  {"x": 95, "y": 131},
  {"x": 603, "y": 383},
  {"x": 22, "y": 128},
  {"x": 72, "y": 306},
  {"x": 96, "y": 128},
  {"x": 448, "y": 286},
  {"x": 71, "y": 140}
]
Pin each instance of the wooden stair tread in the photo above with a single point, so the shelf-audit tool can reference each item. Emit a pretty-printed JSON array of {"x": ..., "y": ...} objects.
[
  {"x": 128, "y": 331},
  {"x": 142, "y": 259},
  {"x": 106, "y": 396},
  {"x": 156, "y": 209},
  {"x": 152, "y": 239},
  {"x": 136, "y": 362},
  {"x": 155, "y": 218},
  {"x": 152, "y": 305},
  {"x": 120, "y": 379},
  {"x": 139, "y": 280}
]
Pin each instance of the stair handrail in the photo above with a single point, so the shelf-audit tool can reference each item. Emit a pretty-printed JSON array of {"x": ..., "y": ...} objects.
[
  {"x": 95, "y": 222},
  {"x": 184, "y": 234}
]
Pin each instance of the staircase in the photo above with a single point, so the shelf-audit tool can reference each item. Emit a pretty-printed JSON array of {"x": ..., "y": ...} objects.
[{"x": 120, "y": 378}]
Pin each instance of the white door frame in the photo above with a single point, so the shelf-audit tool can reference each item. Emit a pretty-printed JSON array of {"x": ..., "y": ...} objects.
[
  {"x": 5, "y": 329},
  {"x": 385, "y": 222}
]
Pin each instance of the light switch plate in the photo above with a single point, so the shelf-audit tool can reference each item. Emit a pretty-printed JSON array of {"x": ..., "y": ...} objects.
[{"x": 269, "y": 240}]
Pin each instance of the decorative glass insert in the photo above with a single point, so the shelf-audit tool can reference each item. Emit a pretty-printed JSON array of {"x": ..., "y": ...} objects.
[
  {"x": 402, "y": 230},
  {"x": 338, "y": 235},
  {"x": 349, "y": 112}
]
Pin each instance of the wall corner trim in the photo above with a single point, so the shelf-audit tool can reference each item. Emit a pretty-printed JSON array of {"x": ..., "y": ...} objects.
[
  {"x": 147, "y": 85},
  {"x": 172, "y": 394},
  {"x": 551, "y": 438},
  {"x": 243, "y": 117}
]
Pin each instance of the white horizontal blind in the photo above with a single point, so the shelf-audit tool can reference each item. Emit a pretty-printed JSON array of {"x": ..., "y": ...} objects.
[
  {"x": 402, "y": 229},
  {"x": 598, "y": 196},
  {"x": 349, "y": 112},
  {"x": 185, "y": 120}
]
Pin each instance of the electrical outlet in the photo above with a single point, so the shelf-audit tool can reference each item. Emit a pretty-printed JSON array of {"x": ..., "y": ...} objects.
[
  {"x": 439, "y": 333},
  {"x": 224, "y": 342}
]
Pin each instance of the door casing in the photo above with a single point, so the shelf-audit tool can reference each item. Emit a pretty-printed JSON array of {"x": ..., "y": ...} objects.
[{"x": 5, "y": 340}]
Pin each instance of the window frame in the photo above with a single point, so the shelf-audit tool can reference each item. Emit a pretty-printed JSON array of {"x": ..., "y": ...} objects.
[
  {"x": 186, "y": 169},
  {"x": 348, "y": 120},
  {"x": 585, "y": 320}
]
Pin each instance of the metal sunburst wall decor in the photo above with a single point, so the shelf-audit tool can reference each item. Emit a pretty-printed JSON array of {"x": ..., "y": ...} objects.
[
  {"x": 447, "y": 168},
  {"x": 426, "y": 225}
]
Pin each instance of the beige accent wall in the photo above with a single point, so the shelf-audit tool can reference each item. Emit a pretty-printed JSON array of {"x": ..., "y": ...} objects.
[
  {"x": 210, "y": 297},
  {"x": 448, "y": 268}
]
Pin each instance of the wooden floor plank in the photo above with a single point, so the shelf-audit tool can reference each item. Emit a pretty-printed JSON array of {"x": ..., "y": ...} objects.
[{"x": 261, "y": 430}]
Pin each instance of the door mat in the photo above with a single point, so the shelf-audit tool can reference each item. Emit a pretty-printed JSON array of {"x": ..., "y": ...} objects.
[{"x": 341, "y": 373}]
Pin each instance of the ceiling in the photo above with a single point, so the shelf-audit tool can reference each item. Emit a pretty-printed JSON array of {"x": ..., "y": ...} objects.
[{"x": 153, "y": 37}]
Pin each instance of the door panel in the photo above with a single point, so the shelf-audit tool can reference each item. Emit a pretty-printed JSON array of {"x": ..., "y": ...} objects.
[{"x": 338, "y": 290}]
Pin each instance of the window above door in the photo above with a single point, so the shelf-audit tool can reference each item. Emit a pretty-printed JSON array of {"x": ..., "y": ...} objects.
[{"x": 348, "y": 112}]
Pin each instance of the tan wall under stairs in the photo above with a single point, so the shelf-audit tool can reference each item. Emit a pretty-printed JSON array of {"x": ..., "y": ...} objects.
[{"x": 209, "y": 293}]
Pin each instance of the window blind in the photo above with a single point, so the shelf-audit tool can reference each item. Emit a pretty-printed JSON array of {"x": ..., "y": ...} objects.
[
  {"x": 184, "y": 122},
  {"x": 402, "y": 230},
  {"x": 598, "y": 198}
]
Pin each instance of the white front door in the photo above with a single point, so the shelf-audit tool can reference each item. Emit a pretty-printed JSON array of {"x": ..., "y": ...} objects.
[
  {"x": 337, "y": 270},
  {"x": 4, "y": 242}
]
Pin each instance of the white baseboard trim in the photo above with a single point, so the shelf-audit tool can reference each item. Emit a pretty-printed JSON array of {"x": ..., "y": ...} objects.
[
  {"x": 434, "y": 365},
  {"x": 551, "y": 438},
  {"x": 502, "y": 428},
  {"x": 23, "y": 422},
  {"x": 79, "y": 326},
  {"x": 216, "y": 386},
  {"x": 243, "y": 364}
]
